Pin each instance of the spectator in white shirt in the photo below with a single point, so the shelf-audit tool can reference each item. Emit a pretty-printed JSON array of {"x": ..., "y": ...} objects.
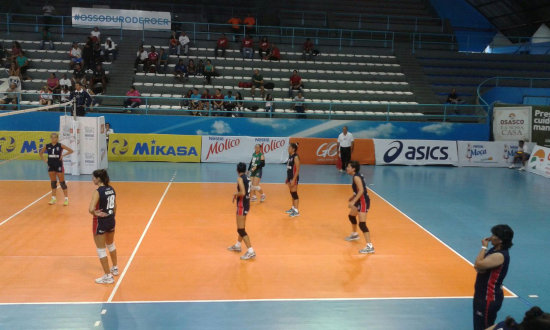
[
  {"x": 345, "y": 147},
  {"x": 75, "y": 54},
  {"x": 65, "y": 94},
  {"x": 64, "y": 81},
  {"x": 299, "y": 105},
  {"x": 183, "y": 43},
  {"x": 45, "y": 96},
  {"x": 141, "y": 57},
  {"x": 108, "y": 131},
  {"x": 110, "y": 49},
  {"x": 96, "y": 35}
]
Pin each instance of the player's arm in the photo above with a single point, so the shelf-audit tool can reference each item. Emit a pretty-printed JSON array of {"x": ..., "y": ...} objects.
[
  {"x": 297, "y": 167},
  {"x": 492, "y": 261},
  {"x": 93, "y": 203},
  {"x": 360, "y": 189},
  {"x": 69, "y": 150},
  {"x": 41, "y": 153},
  {"x": 241, "y": 191},
  {"x": 262, "y": 161}
]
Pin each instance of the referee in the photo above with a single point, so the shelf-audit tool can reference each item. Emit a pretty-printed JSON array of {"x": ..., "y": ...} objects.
[
  {"x": 345, "y": 146},
  {"x": 82, "y": 99}
]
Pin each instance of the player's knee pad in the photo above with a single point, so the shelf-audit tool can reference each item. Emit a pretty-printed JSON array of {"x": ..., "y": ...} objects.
[
  {"x": 294, "y": 195},
  {"x": 53, "y": 184},
  {"x": 352, "y": 219},
  {"x": 241, "y": 232},
  {"x": 363, "y": 227},
  {"x": 102, "y": 253},
  {"x": 111, "y": 247},
  {"x": 63, "y": 185}
]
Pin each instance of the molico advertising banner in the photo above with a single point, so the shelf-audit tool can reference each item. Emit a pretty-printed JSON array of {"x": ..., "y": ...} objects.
[
  {"x": 234, "y": 149},
  {"x": 541, "y": 126},
  {"x": 512, "y": 123}
]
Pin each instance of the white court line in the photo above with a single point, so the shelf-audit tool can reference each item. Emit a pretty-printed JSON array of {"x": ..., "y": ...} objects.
[
  {"x": 23, "y": 209},
  {"x": 117, "y": 285},
  {"x": 440, "y": 241}
]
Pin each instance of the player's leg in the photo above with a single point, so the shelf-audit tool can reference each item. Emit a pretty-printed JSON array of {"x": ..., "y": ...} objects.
[
  {"x": 492, "y": 311},
  {"x": 352, "y": 216},
  {"x": 241, "y": 223},
  {"x": 102, "y": 254},
  {"x": 259, "y": 188},
  {"x": 366, "y": 233},
  {"x": 53, "y": 184},
  {"x": 295, "y": 199},
  {"x": 63, "y": 184},
  {"x": 253, "y": 190},
  {"x": 110, "y": 244}
]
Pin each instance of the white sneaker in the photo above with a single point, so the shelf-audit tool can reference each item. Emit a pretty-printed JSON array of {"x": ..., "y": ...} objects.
[
  {"x": 253, "y": 198},
  {"x": 234, "y": 248},
  {"x": 352, "y": 237},
  {"x": 52, "y": 201},
  {"x": 511, "y": 166},
  {"x": 105, "y": 279},
  {"x": 368, "y": 249},
  {"x": 262, "y": 198},
  {"x": 291, "y": 210},
  {"x": 521, "y": 168},
  {"x": 114, "y": 270},
  {"x": 294, "y": 214},
  {"x": 248, "y": 255}
]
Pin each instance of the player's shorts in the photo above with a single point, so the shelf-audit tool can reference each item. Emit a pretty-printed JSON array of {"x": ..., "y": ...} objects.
[
  {"x": 363, "y": 205},
  {"x": 289, "y": 179},
  {"x": 256, "y": 174},
  {"x": 243, "y": 206},
  {"x": 103, "y": 225},
  {"x": 56, "y": 168}
]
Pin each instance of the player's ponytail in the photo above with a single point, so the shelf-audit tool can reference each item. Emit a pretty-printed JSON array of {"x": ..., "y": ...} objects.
[
  {"x": 102, "y": 175},
  {"x": 294, "y": 145}
]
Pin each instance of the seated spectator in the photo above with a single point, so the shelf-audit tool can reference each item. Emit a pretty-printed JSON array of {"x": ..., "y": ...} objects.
[
  {"x": 75, "y": 55},
  {"x": 209, "y": 72},
  {"x": 269, "y": 106},
  {"x": 14, "y": 71},
  {"x": 180, "y": 71},
  {"x": 221, "y": 44},
  {"x": 11, "y": 96},
  {"x": 133, "y": 100},
  {"x": 173, "y": 43},
  {"x": 247, "y": 47},
  {"x": 239, "y": 104},
  {"x": 299, "y": 105},
  {"x": 88, "y": 55},
  {"x": 16, "y": 50},
  {"x": 78, "y": 74},
  {"x": 23, "y": 65},
  {"x": 196, "y": 101},
  {"x": 53, "y": 84},
  {"x": 249, "y": 21},
  {"x": 200, "y": 68},
  {"x": 186, "y": 102},
  {"x": 307, "y": 53},
  {"x": 217, "y": 103},
  {"x": 141, "y": 57},
  {"x": 229, "y": 103},
  {"x": 45, "y": 96},
  {"x": 191, "y": 68},
  {"x": 163, "y": 61},
  {"x": 263, "y": 49},
  {"x": 64, "y": 81},
  {"x": 274, "y": 54},
  {"x": 206, "y": 97},
  {"x": 97, "y": 54},
  {"x": 183, "y": 43},
  {"x": 453, "y": 97},
  {"x": 46, "y": 38},
  {"x": 152, "y": 61},
  {"x": 257, "y": 82},
  {"x": 235, "y": 27},
  {"x": 95, "y": 35},
  {"x": 295, "y": 83},
  {"x": 99, "y": 76},
  {"x": 522, "y": 155},
  {"x": 65, "y": 94},
  {"x": 110, "y": 50}
]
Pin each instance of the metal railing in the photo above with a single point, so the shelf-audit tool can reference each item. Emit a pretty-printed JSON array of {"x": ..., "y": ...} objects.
[
  {"x": 497, "y": 81},
  {"x": 257, "y": 108}
]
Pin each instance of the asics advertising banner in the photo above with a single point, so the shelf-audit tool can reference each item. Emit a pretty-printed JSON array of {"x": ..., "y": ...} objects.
[
  {"x": 234, "y": 149},
  {"x": 415, "y": 152}
]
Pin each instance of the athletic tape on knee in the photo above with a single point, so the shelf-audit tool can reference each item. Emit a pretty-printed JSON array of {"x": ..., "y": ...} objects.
[
  {"x": 102, "y": 253},
  {"x": 241, "y": 232},
  {"x": 53, "y": 184},
  {"x": 111, "y": 247},
  {"x": 63, "y": 185},
  {"x": 363, "y": 226},
  {"x": 352, "y": 219},
  {"x": 294, "y": 195}
]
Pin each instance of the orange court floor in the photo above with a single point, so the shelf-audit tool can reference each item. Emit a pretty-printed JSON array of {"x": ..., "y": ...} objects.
[{"x": 180, "y": 231}]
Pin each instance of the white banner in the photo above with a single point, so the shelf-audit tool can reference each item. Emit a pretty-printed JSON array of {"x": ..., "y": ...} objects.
[
  {"x": 539, "y": 163},
  {"x": 234, "y": 149},
  {"x": 512, "y": 123},
  {"x": 415, "y": 152},
  {"x": 69, "y": 135},
  {"x": 488, "y": 154},
  {"x": 117, "y": 18}
]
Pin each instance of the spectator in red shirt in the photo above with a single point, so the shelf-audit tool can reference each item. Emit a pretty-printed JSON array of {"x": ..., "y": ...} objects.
[
  {"x": 263, "y": 50},
  {"x": 221, "y": 44},
  {"x": 173, "y": 43},
  {"x": 295, "y": 83},
  {"x": 248, "y": 47},
  {"x": 249, "y": 21},
  {"x": 274, "y": 54},
  {"x": 133, "y": 100},
  {"x": 217, "y": 103},
  {"x": 307, "y": 53},
  {"x": 152, "y": 60}
]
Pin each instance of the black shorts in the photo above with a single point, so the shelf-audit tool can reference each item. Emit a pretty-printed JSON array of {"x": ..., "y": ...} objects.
[
  {"x": 289, "y": 179},
  {"x": 103, "y": 225},
  {"x": 57, "y": 167},
  {"x": 243, "y": 206},
  {"x": 363, "y": 205}
]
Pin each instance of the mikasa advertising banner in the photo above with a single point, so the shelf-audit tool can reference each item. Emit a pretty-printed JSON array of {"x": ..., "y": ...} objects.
[
  {"x": 234, "y": 149},
  {"x": 512, "y": 123},
  {"x": 488, "y": 154},
  {"x": 415, "y": 152}
]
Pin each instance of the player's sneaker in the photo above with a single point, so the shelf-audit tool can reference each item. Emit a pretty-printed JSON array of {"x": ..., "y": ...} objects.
[
  {"x": 368, "y": 249},
  {"x": 114, "y": 270},
  {"x": 234, "y": 248},
  {"x": 294, "y": 214},
  {"x": 253, "y": 198},
  {"x": 105, "y": 279},
  {"x": 511, "y": 166},
  {"x": 521, "y": 168},
  {"x": 248, "y": 255},
  {"x": 352, "y": 237},
  {"x": 52, "y": 201},
  {"x": 262, "y": 198},
  {"x": 289, "y": 211},
  {"x": 66, "y": 202}
]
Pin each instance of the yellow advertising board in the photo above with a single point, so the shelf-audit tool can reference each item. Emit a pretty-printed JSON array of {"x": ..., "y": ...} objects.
[
  {"x": 22, "y": 145},
  {"x": 154, "y": 148}
]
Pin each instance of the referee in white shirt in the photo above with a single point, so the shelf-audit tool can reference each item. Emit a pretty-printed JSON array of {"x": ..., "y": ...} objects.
[{"x": 345, "y": 146}]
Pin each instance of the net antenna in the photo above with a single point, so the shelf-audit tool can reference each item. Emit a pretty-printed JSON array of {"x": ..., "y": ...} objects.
[{"x": 46, "y": 107}]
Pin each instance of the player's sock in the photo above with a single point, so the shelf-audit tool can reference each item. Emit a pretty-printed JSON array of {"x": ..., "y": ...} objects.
[
  {"x": 238, "y": 244},
  {"x": 66, "y": 198},
  {"x": 354, "y": 233},
  {"x": 250, "y": 250}
]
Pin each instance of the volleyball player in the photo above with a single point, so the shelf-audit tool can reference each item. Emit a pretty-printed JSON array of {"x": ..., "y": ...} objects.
[
  {"x": 359, "y": 204},
  {"x": 103, "y": 208},
  {"x": 54, "y": 150},
  {"x": 242, "y": 196},
  {"x": 292, "y": 178},
  {"x": 255, "y": 169}
]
